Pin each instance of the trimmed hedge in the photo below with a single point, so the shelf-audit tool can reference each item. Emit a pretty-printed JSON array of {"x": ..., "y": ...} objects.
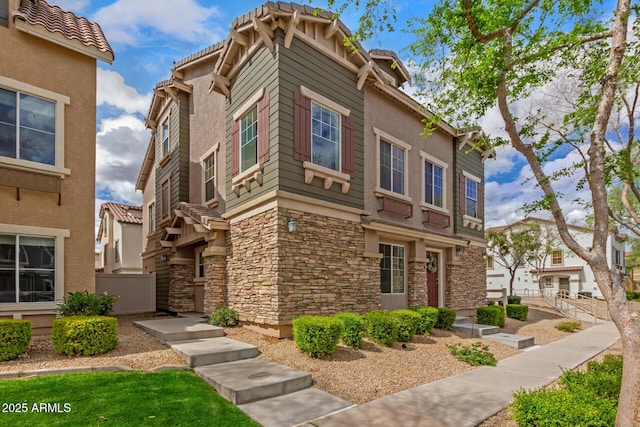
[
  {"x": 517, "y": 311},
  {"x": 224, "y": 317},
  {"x": 352, "y": 329},
  {"x": 382, "y": 327},
  {"x": 408, "y": 321},
  {"x": 513, "y": 299},
  {"x": 82, "y": 303},
  {"x": 491, "y": 315},
  {"x": 446, "y": 317},
  {"x": 15, "y": 336},
  {"x": 87, "y": 335},
  {"x": 317, "y": 336},
  {"x": 633, "y": 295},
  {"x": 429, "y": 316}
]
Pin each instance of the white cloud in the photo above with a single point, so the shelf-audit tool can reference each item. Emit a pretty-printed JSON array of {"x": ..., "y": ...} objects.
[
  {"x": 134, "y": 22},
  {"x": 113, "y": 91}
]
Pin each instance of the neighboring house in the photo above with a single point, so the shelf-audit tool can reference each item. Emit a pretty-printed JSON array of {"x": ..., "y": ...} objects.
[
  {"x": 47, "y": 156},
  {"x": 120, "y": 237},
  {"x": 562, "y": 270},
  {"x": 287, "y": 175}
]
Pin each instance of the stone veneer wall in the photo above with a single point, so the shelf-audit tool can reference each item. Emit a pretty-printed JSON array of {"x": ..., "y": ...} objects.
[
  {"x": 465, "y": 279},
  {"x": 275, "y": 276},
  {"x": 215, "y": 286},
  {"x": 182, "y": 289},
  {"x": 417, "y": 283}
]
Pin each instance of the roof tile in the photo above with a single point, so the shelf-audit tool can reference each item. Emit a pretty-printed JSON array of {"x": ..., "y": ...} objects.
[{"x": 121, "y": 212}]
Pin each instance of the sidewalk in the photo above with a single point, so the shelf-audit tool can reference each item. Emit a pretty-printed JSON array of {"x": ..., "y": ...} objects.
[{"x": 470, "y": 398}]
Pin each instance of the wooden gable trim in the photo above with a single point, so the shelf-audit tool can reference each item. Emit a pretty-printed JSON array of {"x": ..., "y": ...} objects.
[{"x": 265, "y": 33}]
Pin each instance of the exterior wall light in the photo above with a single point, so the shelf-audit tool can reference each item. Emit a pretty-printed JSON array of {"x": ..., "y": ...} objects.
[{"x": 292, "y": 226}]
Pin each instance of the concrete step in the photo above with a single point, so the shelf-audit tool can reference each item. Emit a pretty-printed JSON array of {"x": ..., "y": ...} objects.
[
  {"x": 512, "y": 340},
  {"x": 294, "y": 408},
  {"x": 179, "y": 329},
  {"x": 250, "y": 380},
  {"x": 210, "y": 351},
  {"x": 460, "y": 320},
  {"x": 475, "y": 329}
]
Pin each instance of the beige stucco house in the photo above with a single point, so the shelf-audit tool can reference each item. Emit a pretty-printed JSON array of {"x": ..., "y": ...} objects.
[
  {"x": 287, "y": 175},
  {"x": 47, "y": 156},
  {"x": 120, "y": 237}
]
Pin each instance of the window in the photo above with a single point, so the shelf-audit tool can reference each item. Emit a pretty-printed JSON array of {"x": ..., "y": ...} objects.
[
  {"x": 548, "y": 282},
  {"x": 165, "y": 202},
  {"x": 471, "y": 198},
  {"x": 391, "y": 167},
  {"x": 27, "y": 268},
  {"x": 27, "y": 127},
  {"x": 208, "y": 166},
  {"x": 200, "y": 262},
  {"x": 433, "y": 184},
  {"x": 165, "y": 137},
  {"x": 617, "y": 258},
  {"x": 325, "y": 137},
  {"x": 471, "y": 201},
  {"x": 490, "y": 262},
  {"x": 117, "y": 250},
  {"x": 392, "y": 269},
  {"x": 556, "y": 258},
  {"x": 152, "y": 217},
  {"x": 249, "y": 139}
]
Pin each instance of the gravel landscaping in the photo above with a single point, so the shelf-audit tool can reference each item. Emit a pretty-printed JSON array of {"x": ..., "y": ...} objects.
[{"x": 357, "y": 376}]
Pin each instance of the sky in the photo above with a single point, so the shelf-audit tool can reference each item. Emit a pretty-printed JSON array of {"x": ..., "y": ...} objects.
[{"x": 147, "y": 36}]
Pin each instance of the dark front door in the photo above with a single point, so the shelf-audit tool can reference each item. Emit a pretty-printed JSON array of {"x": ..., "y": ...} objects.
[{"x": 432, "y": 278}]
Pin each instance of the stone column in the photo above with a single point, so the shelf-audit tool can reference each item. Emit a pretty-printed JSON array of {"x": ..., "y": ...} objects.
[
  {"x": 465, "y": 279},
  {"x": 215, "y": 285},
  {"x": 417, "y": 282},
  {"x": 182, "y": 289}
]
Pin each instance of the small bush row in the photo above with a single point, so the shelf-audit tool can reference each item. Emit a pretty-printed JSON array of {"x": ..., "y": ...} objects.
[
  {"x": 224, "y": 317},
  {"x": 517, "y": 311},
  {"x": 15, "y": 336},
  {"x": 513, "y": 299},
  {"x": 474, "y": 354},
  {"x": 318, "y": 336},
  {"x": 86, "y": 335},
  {"x": 568, "y": 325},
  {"x": 491, "y": 315},
  {"x": 595, "y": 392}
]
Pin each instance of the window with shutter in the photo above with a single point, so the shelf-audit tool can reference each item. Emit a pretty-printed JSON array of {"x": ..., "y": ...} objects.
[{"x": 471, "y": 200}]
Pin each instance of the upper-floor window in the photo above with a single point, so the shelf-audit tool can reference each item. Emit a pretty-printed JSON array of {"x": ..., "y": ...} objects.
[
  {"x": 617, "y": 258},
  {"x": 27, "y": 127},
  {"x": 433, "y": 184},
  {"x": 470, "y": 196},
  {"x": 165, "y": 137},
  {"x": 325, "y": 137},
  {"x": 392, "y": 173},
  {"x": 165, "y": 199},
  {"x": 117, "y": 250},
  {"x": 392, "y": 277},
  {"x": 557, "y": 258},
  {"x": 152, "y": 217},
  {"x": 249, "y": 139},
  {"x": 27, "y": 268},
  {"x": 209, "y": 169}
]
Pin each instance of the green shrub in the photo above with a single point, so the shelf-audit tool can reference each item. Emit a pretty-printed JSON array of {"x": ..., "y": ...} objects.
[
  {"x": 82, "y": 303},
  {"x": 513, "y": 299},
  {"x": 569, "y": 325},
  {"x": 429, "y": 316},
  {"x": 317, "y": 336},
  {"x": 594, "y": 391},
  {"x": 382, "y": 327},
  {"x": 87, "y": 335},
  {"x": 224, "y": 317},
  {"x": 408, "y": 321},
  {"x": 446, "y": 317},
  {"x": 352, "y": 329},
  {"x": 475, "y": 354},
  {"x": 15, "y": 336},
  {"x": 517, "y": 311},
  {"x": 633, "y": 295},
  {"x": 491, "y": 315}
]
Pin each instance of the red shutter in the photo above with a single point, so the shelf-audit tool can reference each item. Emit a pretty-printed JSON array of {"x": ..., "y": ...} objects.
[
  {"x": 301, "y": 128},
  {"x": 480, "y": 206},
  {"x": 263, "y": 129},
  {"x": 348, "y": 146},
  {"x": 235, "y": 149},
  {"x": 463, "y": 194}
]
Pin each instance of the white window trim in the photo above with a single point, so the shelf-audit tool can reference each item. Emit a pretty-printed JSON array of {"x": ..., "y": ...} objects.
[
  {"x": 213, "y": 151},
  {"x": 468, "y": 220},
  {"x": 59, "y": 234},
  {"x": 149, "y": 219},
  {"x": 164, "y": 157},
  {"x": 426, "y": 157},
  {"x": 329, "y": 176},
  {"x": 248, "y": 104},
  {"x": 244, "y": 179},
  {"x": 60, "y": 102},
  {"x": 405, "y": 268},
  {"x": 324, "y": 101},
  {"x": 339, "y": 135},
  {"x": 379, "y": 191}
]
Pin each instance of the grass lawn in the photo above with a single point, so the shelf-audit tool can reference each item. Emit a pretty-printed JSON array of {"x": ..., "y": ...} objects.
[{"x": 168, "y": 398}]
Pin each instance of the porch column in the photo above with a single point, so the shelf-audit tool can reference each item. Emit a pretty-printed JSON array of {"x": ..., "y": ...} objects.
[
  {"x": 182, "y": 289},
  {"x": 215, "y": 285},
  {"x": 417, "y": 282}
]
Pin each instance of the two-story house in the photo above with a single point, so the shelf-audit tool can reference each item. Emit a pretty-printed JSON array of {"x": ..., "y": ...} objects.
[
  {"x": 120, "y": 237},
  {"x": 287, "y": 175},
  {"x": 47, "y": 156},
  {"x": 556, "y": 268}
]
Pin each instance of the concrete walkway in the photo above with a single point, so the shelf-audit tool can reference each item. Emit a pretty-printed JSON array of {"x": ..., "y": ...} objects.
[{"x": 470, "y": 398}]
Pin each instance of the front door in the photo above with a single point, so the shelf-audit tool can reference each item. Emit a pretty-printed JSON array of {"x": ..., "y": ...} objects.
[
  {"x": 432, "y": 279},
  {"x": 564, "y": 286}
]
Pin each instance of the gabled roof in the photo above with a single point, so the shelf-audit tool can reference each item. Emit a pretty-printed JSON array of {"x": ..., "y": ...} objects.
[
  {"x": 533, "y": 221},
  {"x": 52, "y": 23},
  {"x": 126, "y": 214}
]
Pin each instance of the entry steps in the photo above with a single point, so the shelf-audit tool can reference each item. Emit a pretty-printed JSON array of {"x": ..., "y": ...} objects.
[
  {"x": 463, "y": 325},
  {"x": 234, "y": 370}
]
